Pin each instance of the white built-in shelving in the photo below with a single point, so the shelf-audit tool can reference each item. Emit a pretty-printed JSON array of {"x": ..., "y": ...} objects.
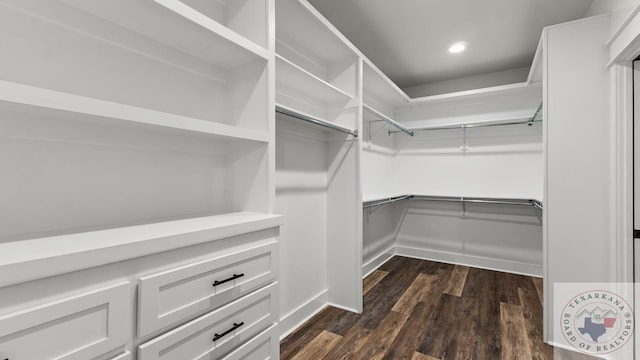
[{"x": 124, "y": 113}]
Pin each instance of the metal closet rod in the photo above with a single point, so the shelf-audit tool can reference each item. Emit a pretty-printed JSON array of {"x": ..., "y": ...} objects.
[
  {"x": 529, "y": 122},
  {"x": 477, "y": 200},
  {"x": 388, "y": 201},
  {"x": 478, "y": 125},
  {"x": 390, "y": 121},
  {"x": 316, "y": 121}
]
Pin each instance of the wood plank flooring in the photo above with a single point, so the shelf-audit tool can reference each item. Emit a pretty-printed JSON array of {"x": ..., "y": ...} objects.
[{"x": 425, "y": 310}]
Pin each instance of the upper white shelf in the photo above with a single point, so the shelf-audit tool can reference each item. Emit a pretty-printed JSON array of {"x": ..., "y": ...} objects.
[
  {"x": 293, "y": 80},
  {"x": 169, "y": 22},
  {"x": 379, "y": 90},
  {"x": 309, "y": 40},
  {"x": 26, "y": 260},
  {"x": 29, "y": 98}
]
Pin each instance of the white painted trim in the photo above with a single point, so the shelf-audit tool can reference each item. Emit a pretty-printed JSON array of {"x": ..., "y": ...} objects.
[
  {"x": 625, "y": 46},
  {"x": 296, "y": 318},
  {"x": 537, "y": 61},
  {"x": 547, "y": 328},
  {"x": 624, "y": 25},
  {"x": 378, "y": 261},
  {"x": 569, "y": 348},
  {"x": 514, "y": 267},
  {"x": 346, "y": 308},
  {"x": 622, "y": 171}
]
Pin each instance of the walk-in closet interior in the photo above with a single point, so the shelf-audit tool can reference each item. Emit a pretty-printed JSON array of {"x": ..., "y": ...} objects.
[{"x": 191, "y": 179}]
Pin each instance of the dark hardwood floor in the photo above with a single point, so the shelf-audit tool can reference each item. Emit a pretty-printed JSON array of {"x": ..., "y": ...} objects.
[{"x": 424, "y": 310}]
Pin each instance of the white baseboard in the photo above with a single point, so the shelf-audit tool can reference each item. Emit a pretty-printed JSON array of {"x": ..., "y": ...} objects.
[
  {"x": 473, "y": 261},
  {"x": 304, "y": 312},
  {"x": 569, "y": 348},
  {"x": 377, "y": 261}
]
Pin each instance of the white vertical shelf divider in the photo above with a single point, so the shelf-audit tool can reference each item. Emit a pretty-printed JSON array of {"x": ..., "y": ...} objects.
[{"x": 318, "y": 76}]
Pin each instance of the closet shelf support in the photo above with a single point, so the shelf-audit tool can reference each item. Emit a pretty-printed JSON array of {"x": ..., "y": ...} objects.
[{"x": 535, "y": 115}]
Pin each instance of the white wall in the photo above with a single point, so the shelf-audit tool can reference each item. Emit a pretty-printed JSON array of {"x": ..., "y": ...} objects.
[
  {"x": 317, "y": 190},
  {"x": 71, "y": 175},
  {"x": 501, "y": 237},
  {"x": 301, "y": 195},
  {"x": 578, "y": 193},
  {"x": 503, "y": 162}
]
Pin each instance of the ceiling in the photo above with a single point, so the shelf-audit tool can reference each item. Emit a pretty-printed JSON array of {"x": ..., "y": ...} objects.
[{"x": 409, "y": 39}]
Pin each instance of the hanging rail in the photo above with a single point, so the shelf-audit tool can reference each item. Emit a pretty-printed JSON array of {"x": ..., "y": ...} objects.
[
  {"x": 285, "y": 111},
  {"x": 387, "y": 201},
  {"x": 390, "y": 121},
  {"x": 479, "y": 200},
  {"x": 475, "y": 125},
  {"x": 463, "y": 199}
]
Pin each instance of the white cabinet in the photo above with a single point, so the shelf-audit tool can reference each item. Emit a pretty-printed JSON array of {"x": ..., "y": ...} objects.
[
  {"x": 217, "y": 284},
  {"x": 83, "y": 326}
]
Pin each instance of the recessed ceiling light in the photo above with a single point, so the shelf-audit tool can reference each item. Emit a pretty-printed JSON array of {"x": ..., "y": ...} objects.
[{"x": 458, "y": 47}]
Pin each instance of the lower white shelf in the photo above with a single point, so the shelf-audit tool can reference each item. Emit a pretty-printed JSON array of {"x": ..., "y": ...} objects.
[{"x": 26, "y": 260}]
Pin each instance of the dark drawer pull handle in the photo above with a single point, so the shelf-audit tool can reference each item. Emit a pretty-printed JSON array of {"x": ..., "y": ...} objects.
[
  {"x": 217, "y": 336},
  {"x": 235, "y": 276}
]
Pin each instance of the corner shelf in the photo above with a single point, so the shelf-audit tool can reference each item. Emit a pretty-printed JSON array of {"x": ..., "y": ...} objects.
[{"x": 26, "y": 260}]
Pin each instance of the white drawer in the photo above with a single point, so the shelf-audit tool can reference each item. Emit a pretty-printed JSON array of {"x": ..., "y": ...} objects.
[
  {"x": 81, "y": 327},
  {"x": 177, "y": 294},
  {"x": 230, "y": 326},
  {"x": 265, "y": 346}
]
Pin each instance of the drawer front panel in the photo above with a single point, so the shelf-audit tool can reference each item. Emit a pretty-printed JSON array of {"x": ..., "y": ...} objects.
[
  {"x": 231, "y": 326},
  {"x": 79, "y": 327},
  {"x": 174, "y": 295},
  {"x": 124, "y": 356},
  {"x": 265, "y": 346}
]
